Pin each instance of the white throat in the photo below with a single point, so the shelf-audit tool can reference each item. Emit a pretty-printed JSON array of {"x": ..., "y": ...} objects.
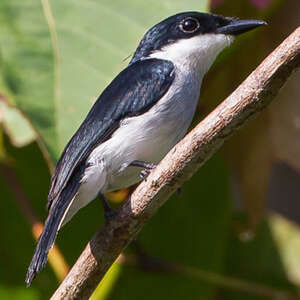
[{"x": 196, "y": 53}]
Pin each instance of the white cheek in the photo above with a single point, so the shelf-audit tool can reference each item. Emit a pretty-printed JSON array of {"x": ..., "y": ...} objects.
[{"x": 199, "y": 51}]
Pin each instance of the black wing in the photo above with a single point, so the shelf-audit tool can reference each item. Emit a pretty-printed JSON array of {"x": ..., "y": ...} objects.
[{"x": 132, "y": 92}]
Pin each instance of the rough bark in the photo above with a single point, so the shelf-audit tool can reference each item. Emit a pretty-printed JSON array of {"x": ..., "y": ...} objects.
[{"x": 253, "y": 95}]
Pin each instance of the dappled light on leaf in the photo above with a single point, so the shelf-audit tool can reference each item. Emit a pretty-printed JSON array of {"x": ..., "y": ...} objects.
[{"x": 16, "y": 126}]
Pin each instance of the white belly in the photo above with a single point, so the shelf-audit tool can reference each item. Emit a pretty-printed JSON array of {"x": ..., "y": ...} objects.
[{"x": 141, "y": 139}]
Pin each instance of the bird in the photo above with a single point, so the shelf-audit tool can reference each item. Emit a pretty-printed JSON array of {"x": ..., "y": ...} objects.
[{"x": 145, "y": 111}]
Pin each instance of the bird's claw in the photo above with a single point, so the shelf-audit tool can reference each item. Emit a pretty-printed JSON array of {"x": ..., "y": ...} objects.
[{"x": 145, "y": 173}]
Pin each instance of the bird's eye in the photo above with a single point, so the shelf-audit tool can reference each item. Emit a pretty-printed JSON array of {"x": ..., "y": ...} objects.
[{"x": 190, "y": 25}]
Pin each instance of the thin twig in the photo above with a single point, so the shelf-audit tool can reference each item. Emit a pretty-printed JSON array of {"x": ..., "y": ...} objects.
[
  {"x": 56, "y": 259},
  {"x": 254, "y": 94}
]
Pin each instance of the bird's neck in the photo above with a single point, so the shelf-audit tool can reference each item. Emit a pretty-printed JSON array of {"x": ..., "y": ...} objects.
[{"x": 196, "y": 54}]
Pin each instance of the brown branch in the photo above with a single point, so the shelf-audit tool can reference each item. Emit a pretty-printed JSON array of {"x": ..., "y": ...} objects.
[{"x": 254, "y": 94}]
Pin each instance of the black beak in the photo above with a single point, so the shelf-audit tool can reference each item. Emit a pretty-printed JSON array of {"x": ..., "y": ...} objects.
[{"x": 236, "y": 26}]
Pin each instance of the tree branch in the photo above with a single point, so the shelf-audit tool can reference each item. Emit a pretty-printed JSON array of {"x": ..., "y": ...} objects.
[{"x": 254, "y": 94}]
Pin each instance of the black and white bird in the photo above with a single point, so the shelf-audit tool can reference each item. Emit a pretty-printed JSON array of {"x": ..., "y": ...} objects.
[{"x": 138, "y": 118}]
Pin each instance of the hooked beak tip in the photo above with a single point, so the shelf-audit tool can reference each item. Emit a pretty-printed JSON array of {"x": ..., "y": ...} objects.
[{"x": 236, "y": 26}]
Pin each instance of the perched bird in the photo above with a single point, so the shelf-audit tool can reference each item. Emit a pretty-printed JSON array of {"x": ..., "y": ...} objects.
[{"x": 138, "y": 118}]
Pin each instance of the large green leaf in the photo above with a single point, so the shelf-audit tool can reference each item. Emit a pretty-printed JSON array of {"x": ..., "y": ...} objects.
[{"x": 27, "y": 64}]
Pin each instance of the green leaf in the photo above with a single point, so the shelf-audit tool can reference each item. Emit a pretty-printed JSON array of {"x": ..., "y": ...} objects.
[
  {"x": 16, "y": 126},
  {"x": 27, "y": 65},
  {"x": 107, "y": 283},
  {"x": 286, "y": 234},
  {"x": 16, "y": 293}
]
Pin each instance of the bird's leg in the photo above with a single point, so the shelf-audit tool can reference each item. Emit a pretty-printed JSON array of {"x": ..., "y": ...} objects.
[
  {"x": 147, "y": 169},
  {"x": 142, "y": 164},
  {"x": 109, "y": 213}
]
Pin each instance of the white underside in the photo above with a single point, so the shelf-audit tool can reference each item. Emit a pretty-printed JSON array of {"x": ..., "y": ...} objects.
[{"x": 150, "y": 136}]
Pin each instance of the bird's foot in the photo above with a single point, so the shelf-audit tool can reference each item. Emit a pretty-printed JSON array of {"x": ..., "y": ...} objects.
[
  {"x": 145, "y": 173},
  {"x": 148, "y": 167}
]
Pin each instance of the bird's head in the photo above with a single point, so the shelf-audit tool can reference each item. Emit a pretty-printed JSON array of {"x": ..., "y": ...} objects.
[{"x": 192, "y": 36}]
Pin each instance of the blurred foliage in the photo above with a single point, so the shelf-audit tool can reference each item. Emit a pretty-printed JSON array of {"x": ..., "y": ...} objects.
[
  {"x": 15, "y": 125},
  {"x": 45, "y": 48}
]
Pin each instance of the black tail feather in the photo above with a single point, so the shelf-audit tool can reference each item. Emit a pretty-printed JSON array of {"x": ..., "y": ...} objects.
[
  {"x": 45, "y": 242},
  {"x": 48, "y": 236}
]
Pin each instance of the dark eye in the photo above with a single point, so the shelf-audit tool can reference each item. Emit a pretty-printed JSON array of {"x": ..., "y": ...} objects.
[{"x": 190, "y": 25}]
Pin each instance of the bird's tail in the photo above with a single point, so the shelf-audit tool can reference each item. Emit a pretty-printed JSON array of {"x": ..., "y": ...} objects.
[{"x": 54, "y": 220}]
